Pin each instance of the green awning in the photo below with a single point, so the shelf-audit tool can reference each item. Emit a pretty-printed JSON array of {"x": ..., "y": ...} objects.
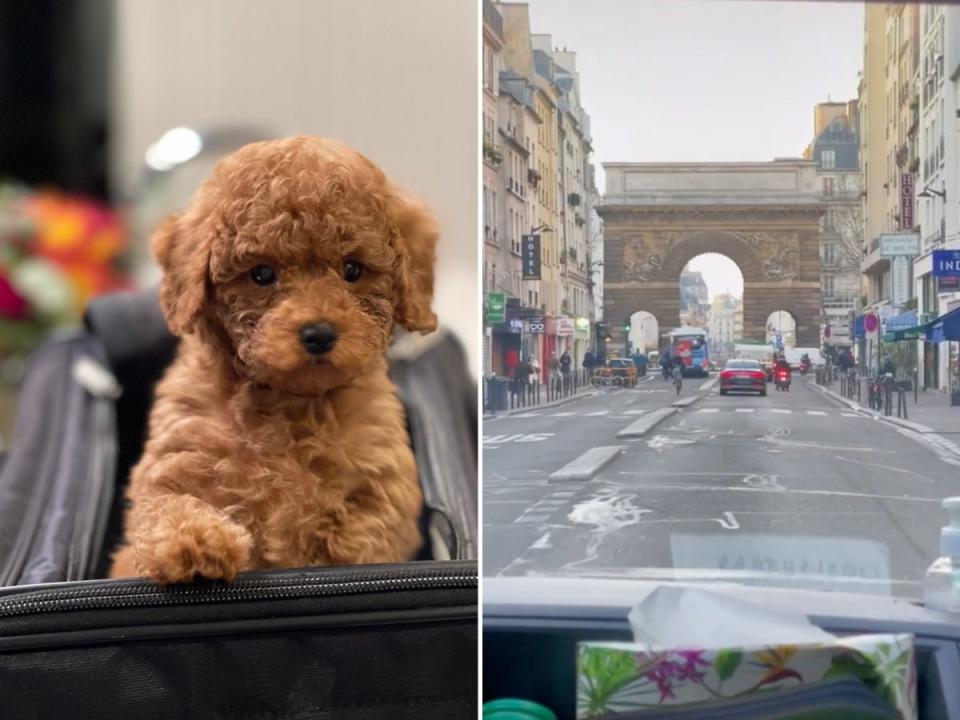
[{"x": 917, "y": 332}]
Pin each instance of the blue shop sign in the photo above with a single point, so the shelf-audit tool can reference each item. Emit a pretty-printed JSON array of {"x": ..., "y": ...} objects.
[{"x": 946, "y": 263}]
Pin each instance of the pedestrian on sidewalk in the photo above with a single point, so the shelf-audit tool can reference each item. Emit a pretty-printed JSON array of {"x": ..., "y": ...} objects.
[
  {"x": 889, "y": 368},
  {"x": 554, "y": 370},
  {"x": 534, "y": 371},
  {"x": 565, "y": 362}
]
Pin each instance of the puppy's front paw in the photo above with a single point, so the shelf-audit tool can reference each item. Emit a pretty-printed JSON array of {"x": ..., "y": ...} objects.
[{"x": 192, "y": 540}]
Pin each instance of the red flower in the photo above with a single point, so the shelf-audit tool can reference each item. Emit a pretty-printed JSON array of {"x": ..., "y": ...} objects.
[{"x": 12, "y": 305}]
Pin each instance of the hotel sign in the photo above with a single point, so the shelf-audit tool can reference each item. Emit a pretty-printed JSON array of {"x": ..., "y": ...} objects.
[
  {"x": 531, "y": 257},
  {"x": 906, "y": 201}
]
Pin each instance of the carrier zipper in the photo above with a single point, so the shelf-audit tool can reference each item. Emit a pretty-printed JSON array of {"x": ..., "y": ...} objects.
[{"x": 137, "y": 594}]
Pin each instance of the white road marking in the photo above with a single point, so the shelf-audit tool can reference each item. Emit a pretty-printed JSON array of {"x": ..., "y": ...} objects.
[
  {"x": 902, "y": 471},
  {"x": 599, "y": 413},
  {"x": 634, "y": 412},
  {"x": 782, "y": 411},
  {"x": 728, "y": 521},
  {"x": 850, "y": 414},
  {"x": 526, "y": 415},
  {"x": 709, "y": 410},
  {"x": 563, "y": 414},
  {"x": 490, "y": 440},
  {"x": 815, "y": 412},
  {"x": 788, "y": 491},
  {"x": 542, "y": 542},
  {"x": 745, "y": 410},
  {"x": 528, "y": 518}
]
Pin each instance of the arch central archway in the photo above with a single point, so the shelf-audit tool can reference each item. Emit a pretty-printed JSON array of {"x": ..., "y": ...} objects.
[{"x": 763, "y": 216}]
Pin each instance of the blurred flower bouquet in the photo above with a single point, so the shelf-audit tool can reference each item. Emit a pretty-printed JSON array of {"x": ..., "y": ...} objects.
[{"x": 56, "y": 252}]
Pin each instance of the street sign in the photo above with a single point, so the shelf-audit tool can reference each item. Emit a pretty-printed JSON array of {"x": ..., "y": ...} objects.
[
  {"x": 900, "y": 277},
  {"x": 906, "y": 201},
  {"x": 906, "y": 244},
  {"x": 531, "y": 257},
  {"x": 564, "y": 327},
  {"x": 871, "y": 323},
  {"x": 946, "y": 263},
  {"x": 496, "y": 308}
]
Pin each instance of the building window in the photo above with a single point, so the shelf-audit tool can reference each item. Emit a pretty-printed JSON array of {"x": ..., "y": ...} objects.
[
  {"x": 828, "y": 286},
  {"x": 488, "y": 63},
  {"x": 828, "y": 159},
  {"x": 828, "y": 186},
  {"x": 828, "y": 253}
]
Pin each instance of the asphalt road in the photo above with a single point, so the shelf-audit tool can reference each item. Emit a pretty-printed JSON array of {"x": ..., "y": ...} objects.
[{"x": 787, "y": 489}]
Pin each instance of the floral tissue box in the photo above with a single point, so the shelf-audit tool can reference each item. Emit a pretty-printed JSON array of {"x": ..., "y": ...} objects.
[{"x": 866, "y": 676}]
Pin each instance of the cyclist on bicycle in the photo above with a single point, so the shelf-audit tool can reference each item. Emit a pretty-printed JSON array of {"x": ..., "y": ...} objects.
[{"x": 676, "y": 373}]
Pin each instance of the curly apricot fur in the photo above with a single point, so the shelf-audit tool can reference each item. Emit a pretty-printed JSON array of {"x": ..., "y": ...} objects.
[{"x": 261, "y": 455}]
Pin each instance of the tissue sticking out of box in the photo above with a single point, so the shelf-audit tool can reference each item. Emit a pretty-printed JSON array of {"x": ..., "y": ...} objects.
[{"x": 681, "y": 616}]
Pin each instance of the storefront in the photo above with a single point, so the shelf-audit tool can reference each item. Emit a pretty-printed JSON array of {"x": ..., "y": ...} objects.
[
  {"x": 945, "y": 331},
  {"x": 581, "y": 339},
  {"x": 505, "y": 346}
]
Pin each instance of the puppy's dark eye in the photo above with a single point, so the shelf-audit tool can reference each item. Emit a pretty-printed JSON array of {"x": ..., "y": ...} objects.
[
  {"x": 352, "y": 270},
  {"x": 263, "y": 275}
]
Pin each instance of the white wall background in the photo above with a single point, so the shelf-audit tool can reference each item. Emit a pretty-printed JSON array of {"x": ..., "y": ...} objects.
[{"x": 398, "y": 80}]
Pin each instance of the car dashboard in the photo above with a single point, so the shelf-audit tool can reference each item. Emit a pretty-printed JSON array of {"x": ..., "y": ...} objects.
[{"x": 532, "y": 624}]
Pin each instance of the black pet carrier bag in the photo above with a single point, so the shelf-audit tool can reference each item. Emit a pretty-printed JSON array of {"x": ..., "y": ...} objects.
[{"x": 369, "y": 641}]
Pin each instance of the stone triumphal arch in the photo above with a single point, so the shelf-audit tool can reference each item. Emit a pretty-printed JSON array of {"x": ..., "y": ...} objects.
[{"x": 763, "y": 216}]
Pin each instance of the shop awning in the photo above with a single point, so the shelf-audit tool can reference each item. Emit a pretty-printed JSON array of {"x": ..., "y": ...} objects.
[
  {"x": 945, "y": 327},
  {"x": 904, "y": 327}
]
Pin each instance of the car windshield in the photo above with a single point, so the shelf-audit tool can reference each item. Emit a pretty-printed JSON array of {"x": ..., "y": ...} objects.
[
  {"x": 620, "y": 363},
  {"x": 724, "y": 186},
  {"x": 743, "y": 365}
]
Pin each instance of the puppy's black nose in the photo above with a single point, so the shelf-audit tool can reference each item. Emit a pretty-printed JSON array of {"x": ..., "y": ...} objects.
[{"x": 318, "y": 339}]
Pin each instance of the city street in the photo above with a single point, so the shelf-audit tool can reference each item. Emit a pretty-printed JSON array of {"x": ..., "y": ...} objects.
[{"x": 789, "y": 487}]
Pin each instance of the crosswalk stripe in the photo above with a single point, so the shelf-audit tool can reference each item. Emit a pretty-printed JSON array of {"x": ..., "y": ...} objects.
[{"x": 815, "y": 412}]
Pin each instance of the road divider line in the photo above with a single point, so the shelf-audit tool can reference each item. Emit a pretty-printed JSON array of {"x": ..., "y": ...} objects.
[
  {"x": 815, "y": 412},
  {"x": 709, "y": 410},
  {"x": 599, "y": 413},
  {"x": 641, "y": 426},
  {"x": 745, "y": 410},
  {"x": 782, "y": 411},
  {"x": 685, "y": 402},
  {"x": 634, "y": 412},
  {"x": 587, "y": 465}
]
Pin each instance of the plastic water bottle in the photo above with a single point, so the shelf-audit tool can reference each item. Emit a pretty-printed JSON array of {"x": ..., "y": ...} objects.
[{"x": 941, "y": 585}]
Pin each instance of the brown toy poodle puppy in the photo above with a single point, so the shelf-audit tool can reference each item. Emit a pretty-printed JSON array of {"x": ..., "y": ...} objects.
[{"x": 276, "y": 438}]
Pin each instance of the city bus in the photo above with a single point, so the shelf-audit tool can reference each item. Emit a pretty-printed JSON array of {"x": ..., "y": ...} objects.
[{"x": 690, "y": 345}]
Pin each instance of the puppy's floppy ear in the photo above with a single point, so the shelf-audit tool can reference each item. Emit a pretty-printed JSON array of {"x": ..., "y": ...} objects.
[
  {"x": 416, "y": 241},
  {"x": 185, "y": 258}
]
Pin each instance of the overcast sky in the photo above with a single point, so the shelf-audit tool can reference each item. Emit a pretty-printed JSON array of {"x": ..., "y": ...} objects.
[{"x": 705, "y": 80}]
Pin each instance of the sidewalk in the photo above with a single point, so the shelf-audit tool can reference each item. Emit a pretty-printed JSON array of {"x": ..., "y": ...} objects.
[{"x": 931, "y": 415}]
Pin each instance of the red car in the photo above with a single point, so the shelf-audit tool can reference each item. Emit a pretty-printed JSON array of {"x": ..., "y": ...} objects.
[{"x": 743, "y": 375}]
